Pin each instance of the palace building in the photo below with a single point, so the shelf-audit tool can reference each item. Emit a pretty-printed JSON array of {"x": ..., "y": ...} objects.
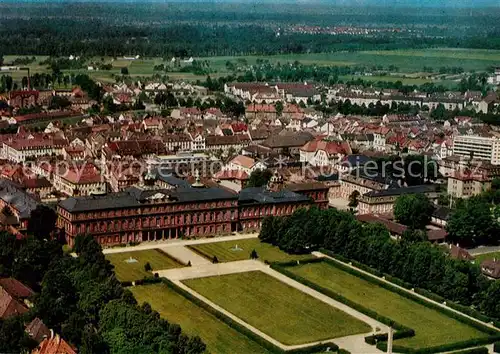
[{"x": 149, "y": 212}]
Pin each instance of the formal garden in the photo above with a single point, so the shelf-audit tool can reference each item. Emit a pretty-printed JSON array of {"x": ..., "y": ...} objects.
[
  {"x": 421, "y": 324},
  {"x": 135, "y": 265},
  {"x": 285, "y": 313}
]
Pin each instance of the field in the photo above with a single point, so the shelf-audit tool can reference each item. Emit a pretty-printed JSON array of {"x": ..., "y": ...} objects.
[
  {"x": 135, "y": 271},
  {"x": 282, "y": 312},
  {"x": 404, "y": 60},
  {"x": 218, "y": 336},
  {"x": 482, "y": 257},
  {"x": 432, "y": 328},
  {"x": 228, "y": 252},
  {"x": 407, "y": 61}
]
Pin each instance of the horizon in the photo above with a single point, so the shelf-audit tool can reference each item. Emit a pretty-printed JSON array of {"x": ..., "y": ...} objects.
[{"x": 447, "y": 4}]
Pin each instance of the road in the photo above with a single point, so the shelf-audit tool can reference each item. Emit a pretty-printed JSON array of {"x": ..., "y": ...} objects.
[{"x": 177, "y": 243}]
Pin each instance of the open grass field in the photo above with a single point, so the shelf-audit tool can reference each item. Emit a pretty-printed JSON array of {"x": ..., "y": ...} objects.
[
  {"x": 230, "y": 251},
  {"x": 126, "y": 271},
  {"x": 407, "y": 61},
  {"x": 482, "y": 257},
  {"x": 431, "y": 327},
  {"x": 218, "y": 336},
  {"x": 282, "y": 312}
]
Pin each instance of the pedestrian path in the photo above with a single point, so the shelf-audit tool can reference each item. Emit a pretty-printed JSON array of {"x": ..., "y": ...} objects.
[
  {"x": 177, "y": 242},
  {"x": 185, "y": 255},
  {"x": 354, "y": 343}
]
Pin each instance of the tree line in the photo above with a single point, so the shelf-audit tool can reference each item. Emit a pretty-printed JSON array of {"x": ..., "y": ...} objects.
[{"x": 421, "y": 264}]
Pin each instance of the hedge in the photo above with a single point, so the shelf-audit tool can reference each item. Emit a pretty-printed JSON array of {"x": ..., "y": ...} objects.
[
  {"x": 496, "y": 347},
  {"x": 244, "y": 330},
  {"x": 480, "y": 350},
  {"x": 401, "y": 330},
  {"x": 440, "y": 348},
  {"x": 462, "y": 308},
  {"x": 410, "y": 296}
]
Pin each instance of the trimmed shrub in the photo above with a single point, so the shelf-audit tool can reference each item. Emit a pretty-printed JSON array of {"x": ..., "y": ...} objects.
[
  {"x": 343, "y": 351},
  {"x": 480, "y": 350},
  {"x": 440, "y": 348},
  {"x": 496, "y": 347}
]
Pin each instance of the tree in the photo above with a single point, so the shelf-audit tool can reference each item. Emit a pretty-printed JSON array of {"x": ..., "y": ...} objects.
[
  {"x": 472, "y": 224},
  {"x": 254, "y": 255},
  {"x": 279, "y": 108},
  {"x": 353, "y": 199},
  {"x": 59, "y": 102},
  {"x": 413, "y": 210},
  {"x": 259, "y": 178},
  {"x": 42, "y": 222},
  {"x": 411, "y": 235},
  {"x": 147, "y": 267},
  {"x": 124, "y": 71},
  {"x": 215, "y": 259}
]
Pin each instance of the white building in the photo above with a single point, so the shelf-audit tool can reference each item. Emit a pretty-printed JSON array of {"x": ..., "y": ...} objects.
[{"x": 477, "y": 147}]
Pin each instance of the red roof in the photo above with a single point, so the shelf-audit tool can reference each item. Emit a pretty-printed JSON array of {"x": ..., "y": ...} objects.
[
  {"x": 267, "y": 108},
  {"x": 15, "y": 288},
  {"x": 239, "y": 127},
  {"x": 330, "y": 147},
  {"x": 232, "y": 174},
  {"x": 54, "y": 345}
]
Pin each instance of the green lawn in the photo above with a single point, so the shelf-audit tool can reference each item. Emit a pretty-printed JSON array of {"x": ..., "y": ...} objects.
[
  {"x": 218, "y": 336},
  {"x": 482, "y": 257},
  {"x": 134, "y": 271},
  {"x": 282, "y": 312},
  {"x": 227, "y": 251},
  {"x": 432, "y": 328}
]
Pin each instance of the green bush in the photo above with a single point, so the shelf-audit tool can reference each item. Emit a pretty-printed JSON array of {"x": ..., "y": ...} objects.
[
  {"x": 440, "y": 348},
  {"x": 343, "y": 351},
  {"x": 318, "y": 348},
  {"x": 496, "y": 347},
  {"x": 151, "y": 280},
  {"x": 480, "y": 350}
]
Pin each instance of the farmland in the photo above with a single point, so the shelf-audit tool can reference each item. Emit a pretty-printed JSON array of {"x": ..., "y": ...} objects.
[
  {"x": 432, "y": 328},
  {"x": 219, "y": 337},
  {"x": 240, "y": 250},
  {"x": 282, "y": 312},
  {"x": 406, "y": 61},
  {"x": 128, "y": 270}
]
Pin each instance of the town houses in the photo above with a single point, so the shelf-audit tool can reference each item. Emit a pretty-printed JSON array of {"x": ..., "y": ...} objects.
[{"x": 104, "y": 168}]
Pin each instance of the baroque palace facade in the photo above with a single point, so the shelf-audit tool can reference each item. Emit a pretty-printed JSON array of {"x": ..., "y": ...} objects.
[{"x": 148, "y": 213}]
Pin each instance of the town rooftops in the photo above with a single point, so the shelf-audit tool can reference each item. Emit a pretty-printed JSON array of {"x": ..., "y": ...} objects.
[
  {"x": 37, "y": 330},
  {"x": 14, "y": 196},
  {"x": 424, "y": 188},
  {"x": 491, "y": 268},
  {"x": 15, "y": 288},
  {"x": 54, "y": 345},
  {"x": 262, "y": 195},
  {"x": 137, "y": 196}
]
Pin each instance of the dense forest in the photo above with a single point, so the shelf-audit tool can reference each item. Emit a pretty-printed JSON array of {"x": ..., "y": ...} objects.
[{"x": 191, "y": 30}]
